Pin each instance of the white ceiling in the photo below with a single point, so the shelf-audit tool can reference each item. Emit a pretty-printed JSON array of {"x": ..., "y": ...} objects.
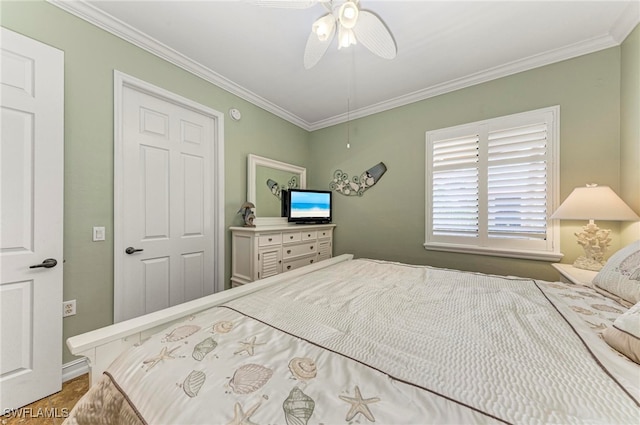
[{"x": 256, "y": 52}]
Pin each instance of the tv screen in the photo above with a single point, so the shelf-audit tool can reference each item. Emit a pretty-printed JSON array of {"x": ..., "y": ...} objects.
[{"x": 308, "y": 206}]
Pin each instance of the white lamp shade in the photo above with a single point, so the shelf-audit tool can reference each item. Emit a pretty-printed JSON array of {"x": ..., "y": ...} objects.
[
  {"x": 346, "y": 37},
  {"x": 348, "y": 14},
  {"x": 324, "y": 27},
  {"x": 594, "y": 203}
]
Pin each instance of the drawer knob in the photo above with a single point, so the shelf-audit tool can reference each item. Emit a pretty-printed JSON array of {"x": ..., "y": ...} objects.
[
  {"x": 288, "y": 251},
  {"x": 309, "y": 235},
  {"x": 311, "y": 247},
  {"x": 311, "y": 262},
  {"x": 290, "y": 237},
  {"x": 288, "y": 267}
]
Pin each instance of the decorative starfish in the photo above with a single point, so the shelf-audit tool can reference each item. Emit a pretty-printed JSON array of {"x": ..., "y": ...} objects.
[
  {"x": 164, "y": 354},
  {"x": 359, "y": 405},
  {"x": 242, "y": 418},
  {"x": 249, "y": 346}
]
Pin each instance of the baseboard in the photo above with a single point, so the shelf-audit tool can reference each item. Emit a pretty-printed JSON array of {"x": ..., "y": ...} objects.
[{"x": 74, "y": 368}]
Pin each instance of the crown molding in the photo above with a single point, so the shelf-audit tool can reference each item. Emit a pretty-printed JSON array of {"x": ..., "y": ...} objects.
[
  {"x": 531, "y": 62},
  {"x": 623, "y": 27},
  {"x": 97, "y": 17},
  {"x": 627, "y": 22}
]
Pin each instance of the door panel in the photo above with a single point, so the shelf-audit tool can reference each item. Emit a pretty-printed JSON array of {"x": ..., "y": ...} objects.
[
  {"x": 193, "y": 207},
  {"x": 155, "y": 187},
  {"x": 156, "y": 283},
  {"x": 17, "y": 180},
  {"x": 31, "y": 201}
]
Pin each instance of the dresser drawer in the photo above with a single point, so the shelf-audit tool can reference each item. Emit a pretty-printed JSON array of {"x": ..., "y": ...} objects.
[
  {"x": 300, "y": 262},
  {"x": 291, "y": 237},
  {"x": 323, "y": 234},
  {"x": 310, "y": 235},
  {"x": 270, "y": 239},
  {"x": 298, "y": 250}
]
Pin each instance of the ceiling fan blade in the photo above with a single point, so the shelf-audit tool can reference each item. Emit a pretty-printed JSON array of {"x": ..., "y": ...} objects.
[
  {"x": 374, "y": 35},
  {"x": 315, "y": 49},
  {"x": 285, "y": 4}
]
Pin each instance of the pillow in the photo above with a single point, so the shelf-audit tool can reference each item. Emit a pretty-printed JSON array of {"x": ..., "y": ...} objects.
[
  {"x": 621, "y": 274},
  {"x": 624, "y": 336}
]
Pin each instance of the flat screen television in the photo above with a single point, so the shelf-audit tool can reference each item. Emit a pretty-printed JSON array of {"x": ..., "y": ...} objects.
[{"x": 306, "y": 206}]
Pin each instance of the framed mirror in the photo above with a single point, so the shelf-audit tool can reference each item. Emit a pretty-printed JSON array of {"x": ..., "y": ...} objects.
[{"x": 266, "y": 178}]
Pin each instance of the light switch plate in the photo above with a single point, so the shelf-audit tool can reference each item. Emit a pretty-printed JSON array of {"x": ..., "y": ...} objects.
[{"x": 98, "y": 234}]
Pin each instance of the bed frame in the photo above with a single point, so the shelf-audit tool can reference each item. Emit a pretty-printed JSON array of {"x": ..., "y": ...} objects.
[{"x": 102, "y": 346}]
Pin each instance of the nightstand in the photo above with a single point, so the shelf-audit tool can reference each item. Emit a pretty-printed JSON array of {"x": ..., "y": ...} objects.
[{"x": 570, "y": 274}]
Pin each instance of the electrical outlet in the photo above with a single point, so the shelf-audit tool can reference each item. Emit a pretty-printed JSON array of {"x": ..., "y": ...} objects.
[{"x": 68, "y": 308}]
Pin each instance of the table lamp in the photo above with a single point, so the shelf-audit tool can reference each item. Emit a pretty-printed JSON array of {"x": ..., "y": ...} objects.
[{"x": 591, "y": 203}]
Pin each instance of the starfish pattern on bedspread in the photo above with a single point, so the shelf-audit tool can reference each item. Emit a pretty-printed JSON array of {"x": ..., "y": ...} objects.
[
  {"x": 242, "y": 418},
  {"x": 249, "y": 346},
  {"x": 359, "y": 405},
  {"x": 164, "y": 354}
]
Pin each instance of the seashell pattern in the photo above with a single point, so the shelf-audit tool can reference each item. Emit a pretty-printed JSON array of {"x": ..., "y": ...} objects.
[
  {"x": 249, "y": 378},
  {"x": 303, "y": 368},
  {"x": 603, "y": 307},
  {"x": 630, "y": 266},
  {"x": 222, "y": 327},
  {"x": 203, "y": 348},
  {"x": 193, "y": 382},
  {"x": 298, "y": 407},
  {"x": 181, "y": 332},
  {"x": 581, "y": 310}
]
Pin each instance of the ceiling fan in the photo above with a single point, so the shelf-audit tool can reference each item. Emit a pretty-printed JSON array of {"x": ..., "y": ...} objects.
[{"x": 352, "y": 24}]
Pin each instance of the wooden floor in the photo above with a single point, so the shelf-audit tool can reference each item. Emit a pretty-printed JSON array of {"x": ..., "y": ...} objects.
[{"x": 50, "y": 410}]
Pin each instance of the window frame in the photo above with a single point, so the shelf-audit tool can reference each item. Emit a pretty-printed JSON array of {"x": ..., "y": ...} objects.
[{"x": 547, "y": 249}]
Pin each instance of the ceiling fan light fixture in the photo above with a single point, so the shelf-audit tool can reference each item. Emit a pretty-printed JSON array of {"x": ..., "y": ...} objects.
[
  {"x": 324, "y": 27},
  {"x": 346, "y": 37},
  {"x": 348, "y": 14}
]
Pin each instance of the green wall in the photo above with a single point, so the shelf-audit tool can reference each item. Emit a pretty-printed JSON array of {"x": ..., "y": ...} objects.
[
  {"x": 91, "y": 55},
  {"x": 388, "y": 221},
  {"x": 630, "y": 131}
]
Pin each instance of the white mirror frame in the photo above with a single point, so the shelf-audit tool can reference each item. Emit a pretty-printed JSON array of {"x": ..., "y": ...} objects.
[{"x": 252, "y": 162}]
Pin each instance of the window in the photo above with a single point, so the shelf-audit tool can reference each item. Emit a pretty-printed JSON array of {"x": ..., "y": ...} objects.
[{"x": 491, "y": 186}]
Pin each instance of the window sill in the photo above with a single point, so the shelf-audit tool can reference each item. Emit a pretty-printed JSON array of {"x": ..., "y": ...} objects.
[{"x": 510, "y": 253}]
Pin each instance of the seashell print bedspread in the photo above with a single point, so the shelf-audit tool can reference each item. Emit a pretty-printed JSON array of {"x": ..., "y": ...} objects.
[{"x": 370, "y": 341}]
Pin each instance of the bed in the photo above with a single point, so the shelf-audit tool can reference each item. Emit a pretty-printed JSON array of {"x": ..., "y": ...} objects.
[{"x": 358, "y": 341}]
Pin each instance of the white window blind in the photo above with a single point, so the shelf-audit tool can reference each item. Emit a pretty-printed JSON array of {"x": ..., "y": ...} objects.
[{"x": 491, "y": 185}]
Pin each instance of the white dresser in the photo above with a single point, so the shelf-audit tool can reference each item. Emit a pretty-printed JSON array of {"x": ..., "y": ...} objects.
[{"x": 263, "y": 251}]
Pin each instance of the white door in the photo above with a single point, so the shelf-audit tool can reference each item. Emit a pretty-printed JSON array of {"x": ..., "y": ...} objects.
[
  {"x": 167, "y": 245},
  {"x": 31, "y": 169}
]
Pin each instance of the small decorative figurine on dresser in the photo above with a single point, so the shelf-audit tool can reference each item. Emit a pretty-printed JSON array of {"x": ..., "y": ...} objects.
[{"x": 247, "y": 214}]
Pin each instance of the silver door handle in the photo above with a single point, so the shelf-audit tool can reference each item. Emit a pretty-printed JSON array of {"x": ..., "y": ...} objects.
[
  {"x": 130, "y": 250},
  {"x": 47, "y": 264}
]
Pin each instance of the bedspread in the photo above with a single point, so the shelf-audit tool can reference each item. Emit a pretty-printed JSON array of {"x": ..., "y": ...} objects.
[{"x": 373, "y": 341}]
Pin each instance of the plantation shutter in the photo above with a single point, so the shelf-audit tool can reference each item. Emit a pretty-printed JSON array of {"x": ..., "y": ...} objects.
[
  {"x": 517, "y": 182},
  {"x": 455, "y": 185},
  {"x": 490, "y": 186}
]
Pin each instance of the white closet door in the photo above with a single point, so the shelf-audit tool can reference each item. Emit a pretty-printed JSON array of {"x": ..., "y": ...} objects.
[{"x": 168, "y": 241}]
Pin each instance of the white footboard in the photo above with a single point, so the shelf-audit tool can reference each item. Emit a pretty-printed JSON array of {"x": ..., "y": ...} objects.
[{"x": 103, "y": 345}]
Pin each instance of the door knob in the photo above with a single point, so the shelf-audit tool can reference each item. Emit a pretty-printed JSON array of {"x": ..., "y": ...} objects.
[
  {"x": 130, "y": 250},
  {"x": 47, "y": 264}
]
